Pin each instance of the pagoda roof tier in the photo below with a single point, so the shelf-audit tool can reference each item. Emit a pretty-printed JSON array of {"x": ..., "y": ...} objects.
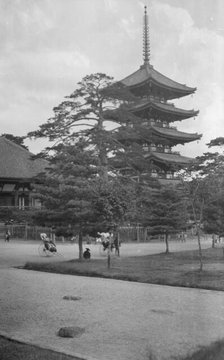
[
  {"x": 147, "y": 80},
  {"x": 166, "y": 110},
  {"x": 173, "y": 134},
  {"x": 156, "y": 134},
  {"x": 165, "y": 158}
]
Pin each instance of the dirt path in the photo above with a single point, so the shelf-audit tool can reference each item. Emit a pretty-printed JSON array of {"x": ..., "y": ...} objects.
[
  {"x": 17, "y": 252},
  {"x": 122, "y": 320}
]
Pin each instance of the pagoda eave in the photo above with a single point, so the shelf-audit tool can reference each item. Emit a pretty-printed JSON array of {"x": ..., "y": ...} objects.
[
  {"x": 164, "y": 108},
  {"x": 173, "y": 159},
  {"x": 173, "y": 134},
  {"x": 147, "y": 78}
]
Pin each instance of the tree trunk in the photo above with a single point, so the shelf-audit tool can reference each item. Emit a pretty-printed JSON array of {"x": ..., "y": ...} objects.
[
  {"x": 167, "y": 243},
  {"x": 199, "y": 248},
  {"x": 108, "y": 258},
  {"x": 213, "y": 241},
  {"x": 103, "y": 158},
  {"x": 80, "y": 245}
]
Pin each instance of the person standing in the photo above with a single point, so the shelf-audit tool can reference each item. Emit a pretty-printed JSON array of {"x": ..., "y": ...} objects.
[{"x": 7, "y": 236}]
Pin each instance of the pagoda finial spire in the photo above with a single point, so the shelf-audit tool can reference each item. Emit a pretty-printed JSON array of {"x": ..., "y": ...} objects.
[{"x": 146, "y": 44}]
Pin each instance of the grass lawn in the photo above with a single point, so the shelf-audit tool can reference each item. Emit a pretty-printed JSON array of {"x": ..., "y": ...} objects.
[
  {"x": 14, "y": 350},
  {"x": 176, "y": 269},
  {"x": 213, "y": 352}
]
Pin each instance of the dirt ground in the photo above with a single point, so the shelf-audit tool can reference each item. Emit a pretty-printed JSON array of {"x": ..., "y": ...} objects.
[
  {"x": 17, "y": 252},
  {"x": 121, "y": 320}
]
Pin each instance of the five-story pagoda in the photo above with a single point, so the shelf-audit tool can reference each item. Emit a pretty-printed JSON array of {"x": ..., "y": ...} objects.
[{"x": 152, "y": 117}]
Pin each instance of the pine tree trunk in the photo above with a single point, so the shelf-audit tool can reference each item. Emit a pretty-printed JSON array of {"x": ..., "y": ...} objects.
[
  {"x": 80, "y": 245},
  {"x": 167, "y": 243},
  {"x": 103, "y": 159},
  {"x": 199, "y": 248}
]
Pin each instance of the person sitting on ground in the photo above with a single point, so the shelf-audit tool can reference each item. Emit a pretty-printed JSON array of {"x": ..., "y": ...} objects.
[
  {"x": 48, "y": 244},
  {"x": 87, "y": 254}
]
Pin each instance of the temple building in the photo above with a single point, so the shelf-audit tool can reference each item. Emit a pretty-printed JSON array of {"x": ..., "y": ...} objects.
[
  {"x": 153, "y": 110},
  {"x": 17, "y": 172}
]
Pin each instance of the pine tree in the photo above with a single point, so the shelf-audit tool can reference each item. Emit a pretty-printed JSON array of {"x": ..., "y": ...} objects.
[
  {"x": 73, "y": 194},
  {"x": 164, "y": 212}
]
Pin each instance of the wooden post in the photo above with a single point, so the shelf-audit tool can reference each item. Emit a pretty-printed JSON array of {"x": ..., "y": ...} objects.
[
  {"x": 138, "y": 234},
  {"x": 26, "y": 231},
  {"x": 145, "y": 234},
  {"x": 109, "y": 251},
  {"x": 108, "y": 258}
]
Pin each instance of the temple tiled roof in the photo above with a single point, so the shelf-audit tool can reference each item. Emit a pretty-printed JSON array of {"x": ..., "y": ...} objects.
[
  {"x": 164, "y": 107},
  {"x": 148, "y": 73},
  {"x": 170, "y": 158},
  {"x": 176, "y": 134},
  {"x": 16, "y": 162}
]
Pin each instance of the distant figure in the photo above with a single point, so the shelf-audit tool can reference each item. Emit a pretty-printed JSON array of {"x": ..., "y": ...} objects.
[
  {"x": 117, "y": 244},
  {"x": 105, "y": 244},
  {"x": 48, "y": 244},
  {"x": 87, "y": 254},
  {"x": 74, "y": 238},
  {"x": 183, "y": 236},
  {"x": 7, "y": 235}
]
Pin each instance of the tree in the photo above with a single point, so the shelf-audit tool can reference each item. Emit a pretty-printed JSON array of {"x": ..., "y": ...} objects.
[
  {"x": 99, "y": 110},
  {"x": 73, "y": 194},
  {"x": 210, "y": 167},
  {"x": 84, "y": 114},
  {"x": 164, "y": 212},
  {"x": 94, "y": 112},
  {"x": 66, "y": 189},
  {"x": 196, "y": 193},
  {"x": 203, "y": 183}
]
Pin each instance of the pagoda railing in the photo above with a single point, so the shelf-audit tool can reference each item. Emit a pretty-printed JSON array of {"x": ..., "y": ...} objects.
[
  {"x": 159, "y": 124},
  {"x": 161, "y": 175},
  {"x": 159, "y": 150}
]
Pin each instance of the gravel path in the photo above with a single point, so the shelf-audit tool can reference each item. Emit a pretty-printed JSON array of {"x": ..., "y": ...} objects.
[{"x": 122, "y": 320}]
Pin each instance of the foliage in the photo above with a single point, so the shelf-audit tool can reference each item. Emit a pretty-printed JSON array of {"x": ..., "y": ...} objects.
[
  {"x": 216, "y": 142},
  {"x": 100, "y": 111},
  {"x": 164, "y": 212},
  {"x": 208, "y": 178},
  {"x": 12, "y": 215},
  {"x": 113, "y": 203},
  {"x": 75, "y": 196},
  {"x": 84, "y": 114},
  {"x": 204, "y": 188}
]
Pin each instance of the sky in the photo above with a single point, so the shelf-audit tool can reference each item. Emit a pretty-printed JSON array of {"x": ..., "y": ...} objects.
[{"x": 47, "y": 46}]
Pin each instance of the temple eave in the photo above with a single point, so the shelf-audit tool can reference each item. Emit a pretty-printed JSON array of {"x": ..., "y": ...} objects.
[
  {"x": 165, "y": 108},
  {"x": 177, "y": 135},
  {"x": 169, "y": 158},
  {"x": 148, "y": 75}
]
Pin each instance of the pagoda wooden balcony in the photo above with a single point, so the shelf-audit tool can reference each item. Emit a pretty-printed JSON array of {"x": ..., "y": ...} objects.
[
  {"x": 164, "y": 176},
  {"x": 159, "y": 150}
]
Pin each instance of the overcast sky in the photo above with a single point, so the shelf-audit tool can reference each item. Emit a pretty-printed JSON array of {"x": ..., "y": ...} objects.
[{"x": 47, "y": 46}]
